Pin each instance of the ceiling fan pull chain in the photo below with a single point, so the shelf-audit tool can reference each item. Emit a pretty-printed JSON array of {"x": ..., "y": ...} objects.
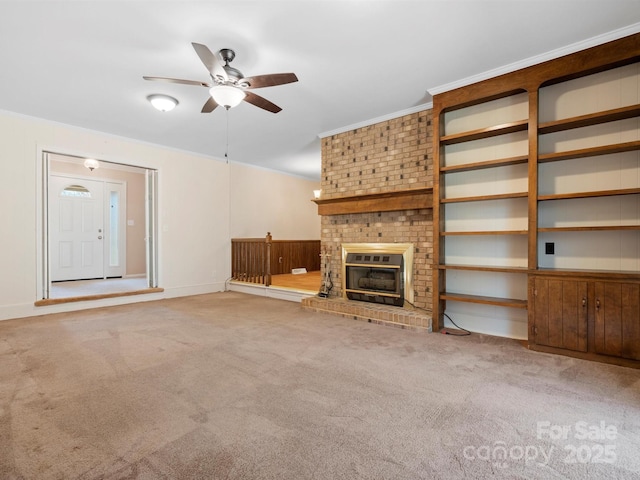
[{"x": 226, "y": 149}]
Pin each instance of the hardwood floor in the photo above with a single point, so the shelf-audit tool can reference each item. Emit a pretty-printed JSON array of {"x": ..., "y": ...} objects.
[{"x": 310, "y": 281}]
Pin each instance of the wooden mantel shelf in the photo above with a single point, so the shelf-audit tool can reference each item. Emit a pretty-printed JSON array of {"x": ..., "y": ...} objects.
[{"x": 410, "y": 199}]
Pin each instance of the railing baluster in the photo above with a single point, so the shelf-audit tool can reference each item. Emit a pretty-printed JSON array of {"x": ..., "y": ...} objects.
[{"x": 256, "y": 260}]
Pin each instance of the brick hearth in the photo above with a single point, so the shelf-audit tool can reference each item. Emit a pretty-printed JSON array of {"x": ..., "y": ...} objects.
[{"x": 403, "y": 317}]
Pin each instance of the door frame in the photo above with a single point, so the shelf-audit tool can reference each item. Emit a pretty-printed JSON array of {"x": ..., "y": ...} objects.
[{"x": 43, "y": 267}]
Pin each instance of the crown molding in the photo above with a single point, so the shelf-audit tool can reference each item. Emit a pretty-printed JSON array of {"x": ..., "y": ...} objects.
[
  {"x": 373, "y": 121},
  {"x": 528, "y": 62}
]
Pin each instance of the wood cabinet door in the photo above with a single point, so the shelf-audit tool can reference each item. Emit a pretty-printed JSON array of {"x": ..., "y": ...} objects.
[
  {"x": 617, "y": 319},
  {"x": 560, "y": 313}
]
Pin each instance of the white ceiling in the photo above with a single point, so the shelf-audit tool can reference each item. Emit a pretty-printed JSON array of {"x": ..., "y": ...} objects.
[{"x": 81, "y": 62}]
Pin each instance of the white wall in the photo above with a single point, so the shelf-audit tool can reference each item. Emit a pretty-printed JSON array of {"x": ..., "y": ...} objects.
[
  {"x": 265, "y": 201},
  {"x": 194, "y": 246}
]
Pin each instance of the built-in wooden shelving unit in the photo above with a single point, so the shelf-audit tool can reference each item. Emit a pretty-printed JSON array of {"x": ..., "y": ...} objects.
[{"x": 566, "y": 308}]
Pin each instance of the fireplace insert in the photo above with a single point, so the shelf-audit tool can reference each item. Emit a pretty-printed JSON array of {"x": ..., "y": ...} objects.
[{"x": 375, "y": 277}]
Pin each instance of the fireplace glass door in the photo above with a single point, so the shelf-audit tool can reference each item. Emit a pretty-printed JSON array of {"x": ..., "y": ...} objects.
[{"x": 375, "y": 278}]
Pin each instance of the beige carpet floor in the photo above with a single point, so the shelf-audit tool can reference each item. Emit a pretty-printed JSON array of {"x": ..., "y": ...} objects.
[{"x": 234, "y": 386}]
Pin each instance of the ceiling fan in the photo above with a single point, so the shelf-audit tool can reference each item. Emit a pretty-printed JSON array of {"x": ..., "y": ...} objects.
[{"x": 228, "y": 86}]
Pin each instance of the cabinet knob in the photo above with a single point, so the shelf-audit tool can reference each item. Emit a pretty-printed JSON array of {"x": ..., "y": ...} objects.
[
  {"x": 597, "y": 304},
  {"x": 584, "y": 302}
]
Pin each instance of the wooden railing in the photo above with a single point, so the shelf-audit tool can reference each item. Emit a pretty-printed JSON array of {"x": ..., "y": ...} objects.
[{"x": 255, "y": 260}]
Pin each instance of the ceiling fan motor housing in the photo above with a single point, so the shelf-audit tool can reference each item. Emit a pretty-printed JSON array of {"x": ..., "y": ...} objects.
[{"x": 234, "y": 74}]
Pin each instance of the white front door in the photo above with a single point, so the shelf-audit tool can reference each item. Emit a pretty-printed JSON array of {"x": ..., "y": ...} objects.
[{"x": 76, "y": 231}]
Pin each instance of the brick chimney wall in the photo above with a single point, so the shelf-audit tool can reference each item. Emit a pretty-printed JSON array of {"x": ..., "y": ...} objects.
[{"x": 388, "y": 156}]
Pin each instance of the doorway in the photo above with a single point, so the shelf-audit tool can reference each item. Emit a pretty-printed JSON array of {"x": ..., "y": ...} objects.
[
  {"x": 86, "y": 238},
  {"x": 99, "y": 227}
]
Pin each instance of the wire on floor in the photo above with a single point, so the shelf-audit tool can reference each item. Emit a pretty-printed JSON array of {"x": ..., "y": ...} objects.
[{"x": 447, "y": 331}]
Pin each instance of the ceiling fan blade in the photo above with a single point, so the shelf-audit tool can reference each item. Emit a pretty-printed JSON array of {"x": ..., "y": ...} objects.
[
  {"x": 270, "y": 80},
  {"x": 210, "y": 61},
  {"x": 261, "y": 102},
  {"x": 209, "y": 106},
  {"x": 178, "y": 80}
]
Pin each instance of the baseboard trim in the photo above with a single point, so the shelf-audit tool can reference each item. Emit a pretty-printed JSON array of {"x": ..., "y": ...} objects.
[{"x": 280, "y": 293}]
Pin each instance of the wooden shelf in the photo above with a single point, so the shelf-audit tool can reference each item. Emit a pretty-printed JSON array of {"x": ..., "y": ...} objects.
[
  {"x": 488, "y": 232},
  {"x": 481, "y": 198},
  {"x": 589, "y": 152},
  {"x": 493, "y": 131},
  {"x": 609, "y": 274},
  {"x": 501, "y": 162},
  {"x": 601, "y": 193},
  {"x": 410, "y": 199},
  {"x": 589, "y": 229},
  {"x": 484, "y": 268},
  {"x": 590, "y": 119},
  {"x": 501, "y": 302}
]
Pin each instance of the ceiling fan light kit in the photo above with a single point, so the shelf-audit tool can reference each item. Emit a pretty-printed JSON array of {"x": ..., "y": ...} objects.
[
  {"x": 164, "y": 103},
  {"x": 227, "y": 96},
  {"x": 228, "y": 86}
]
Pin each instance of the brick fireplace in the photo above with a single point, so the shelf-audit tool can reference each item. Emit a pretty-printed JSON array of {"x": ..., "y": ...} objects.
[{"x": 376, "y": 189}]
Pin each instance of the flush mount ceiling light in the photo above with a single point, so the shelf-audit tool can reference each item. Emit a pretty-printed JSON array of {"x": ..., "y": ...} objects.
[
  {"x": 164, "y": 103},
  {"x": 91, "y": 164},
  {"x": 227, "y": 96}
]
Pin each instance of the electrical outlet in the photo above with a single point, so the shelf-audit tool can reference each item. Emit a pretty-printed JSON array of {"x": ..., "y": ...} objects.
[{"x": 549, "y": 248}]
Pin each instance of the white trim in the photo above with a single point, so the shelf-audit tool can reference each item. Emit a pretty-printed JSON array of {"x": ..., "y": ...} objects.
[
  {"x": 536, "y": 59},
  {"x": 42, "y": 240},
  {"x": 190, "y": 290},
  {"x": 280, "y": 293},
  {"x": 373, "y": 121}
]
